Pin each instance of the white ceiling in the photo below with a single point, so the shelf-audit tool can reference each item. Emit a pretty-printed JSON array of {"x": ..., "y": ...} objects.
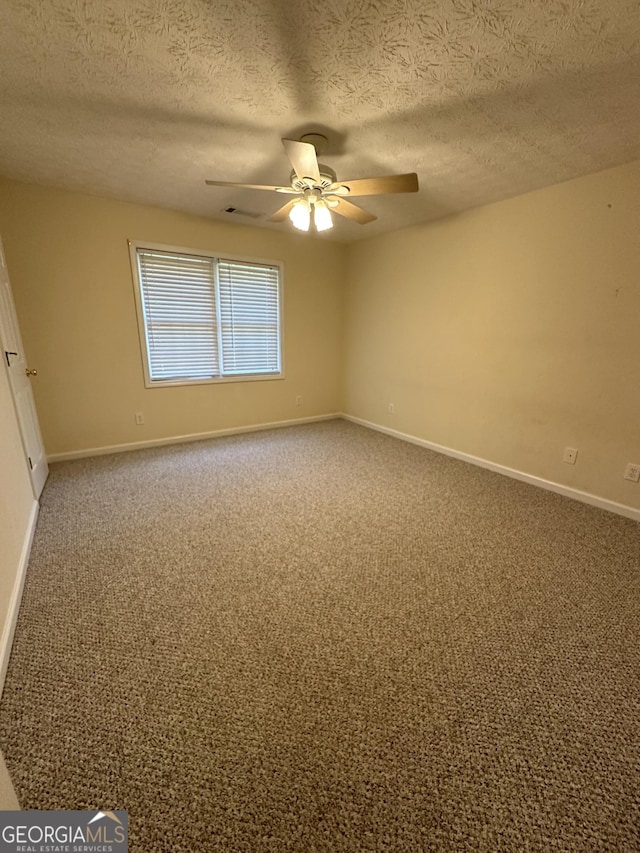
[{"x": 484, "y": 99}]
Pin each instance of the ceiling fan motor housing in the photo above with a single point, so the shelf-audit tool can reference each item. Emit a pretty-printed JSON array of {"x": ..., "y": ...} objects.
[{"x": 327, "y": 178}]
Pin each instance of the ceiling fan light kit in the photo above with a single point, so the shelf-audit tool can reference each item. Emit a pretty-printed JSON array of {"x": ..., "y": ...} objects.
[
  {"x": 318, "y": 190},
  {"x": 302, "y": 210},
  {"x": 300, "y": 215},
  {"x": 322, "y": 216}
]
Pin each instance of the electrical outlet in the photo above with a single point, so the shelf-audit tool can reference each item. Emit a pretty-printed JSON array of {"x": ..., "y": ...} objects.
[
  {"x": 299, "y": 400},
  {"x": 632, "y": 472},
  {"x": 392, "y": 408},
  {"x": 570, "y": 455},
  {"x": 139, "y": 418}
]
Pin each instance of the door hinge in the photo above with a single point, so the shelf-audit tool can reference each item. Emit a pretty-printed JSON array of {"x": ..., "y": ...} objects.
[{"x": 30, "y": 462}]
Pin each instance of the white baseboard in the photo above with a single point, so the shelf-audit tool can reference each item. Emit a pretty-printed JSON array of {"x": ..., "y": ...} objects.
[
  {"x": 6, "y": 640},
  {"x": 549, "y": 485},
  {"x": 181, "y": 439}
]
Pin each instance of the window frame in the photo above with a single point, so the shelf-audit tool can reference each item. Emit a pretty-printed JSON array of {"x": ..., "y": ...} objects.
[{"x": 134, "y": 245}]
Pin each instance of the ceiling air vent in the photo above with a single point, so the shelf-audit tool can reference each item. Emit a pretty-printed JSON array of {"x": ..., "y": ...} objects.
[{"x": 238, "y": 212}]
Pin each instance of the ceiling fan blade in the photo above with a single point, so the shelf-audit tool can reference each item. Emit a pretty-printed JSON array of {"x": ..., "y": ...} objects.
[
  {"x": 380, "y": 186},
  {"x": 302, "y": 156},
  {"x": 250, "y": 186},
  {"x": 351, "y": 211},
  {"x": 282, "y": 212}
]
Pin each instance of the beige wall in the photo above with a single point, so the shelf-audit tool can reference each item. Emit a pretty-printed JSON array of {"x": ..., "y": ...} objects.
[
  {"x": 509, "y": 332},
  {"x": 68, "y": 258}
]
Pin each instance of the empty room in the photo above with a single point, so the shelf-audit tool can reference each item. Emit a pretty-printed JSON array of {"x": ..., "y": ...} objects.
[{"x": 320, "y": 426}]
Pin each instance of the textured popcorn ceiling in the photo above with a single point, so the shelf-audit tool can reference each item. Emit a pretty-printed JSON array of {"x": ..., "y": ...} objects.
[{"x": 484, "y": 99}]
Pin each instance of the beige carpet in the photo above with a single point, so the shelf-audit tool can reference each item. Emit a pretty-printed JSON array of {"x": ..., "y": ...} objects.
[{"x": 324, "y": 639}]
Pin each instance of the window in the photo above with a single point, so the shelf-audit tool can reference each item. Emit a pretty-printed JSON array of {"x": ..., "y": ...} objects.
[{"x": 206, "y": 319}]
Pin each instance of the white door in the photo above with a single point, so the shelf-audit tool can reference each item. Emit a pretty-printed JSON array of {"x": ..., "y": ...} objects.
[{"x": 12, "y": 353}]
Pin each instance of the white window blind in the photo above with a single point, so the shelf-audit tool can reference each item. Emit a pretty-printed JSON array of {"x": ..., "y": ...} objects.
[
  {"x": 180, "y": 315},
  {"x": 249, "y": 318},
  {"x": 208, "y": 318}
]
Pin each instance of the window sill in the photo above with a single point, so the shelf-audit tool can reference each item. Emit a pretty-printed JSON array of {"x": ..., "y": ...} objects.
[{"x": 217, "y": 380}]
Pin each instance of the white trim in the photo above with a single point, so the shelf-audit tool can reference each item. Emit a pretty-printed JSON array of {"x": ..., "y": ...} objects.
[
  {"x": 6, "y": 640},
  {"x": 181, "y": 439},
  {"x": 205, "y": 253},
  {"x": 549, "y": 485}
]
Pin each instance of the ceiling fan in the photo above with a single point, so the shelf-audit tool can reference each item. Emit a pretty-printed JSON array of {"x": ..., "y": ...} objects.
[{"x": 317, "y": 191}]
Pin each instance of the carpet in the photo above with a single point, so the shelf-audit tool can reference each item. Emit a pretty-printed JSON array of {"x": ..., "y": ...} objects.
[{"x": 321, "y": 638}]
